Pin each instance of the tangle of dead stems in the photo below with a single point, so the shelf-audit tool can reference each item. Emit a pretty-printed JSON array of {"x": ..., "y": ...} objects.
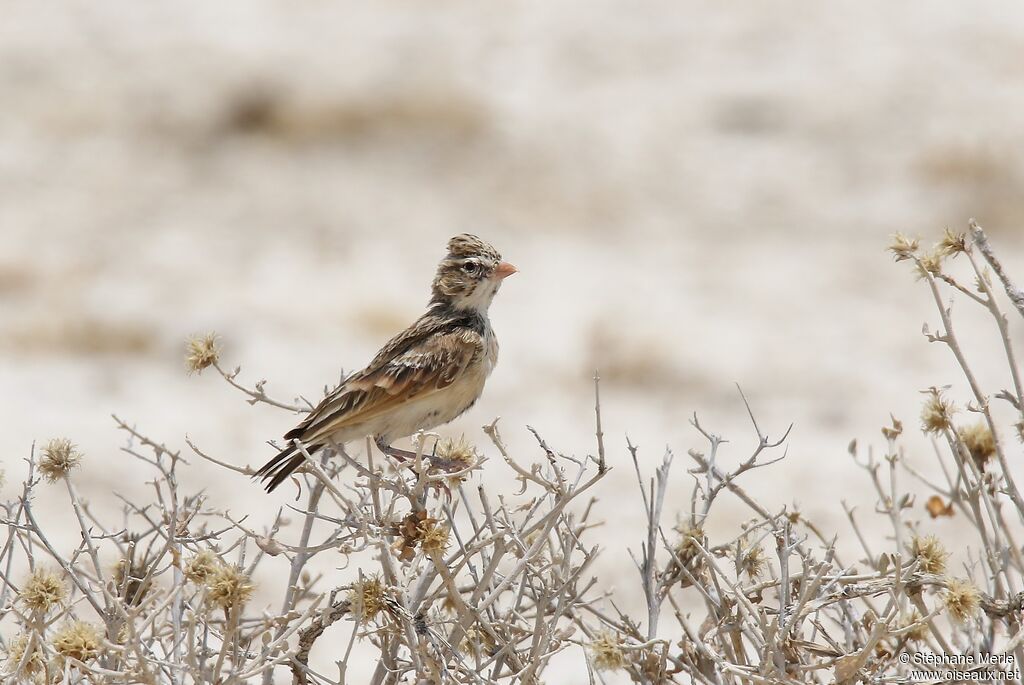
[{"x": 445, "y": 581}]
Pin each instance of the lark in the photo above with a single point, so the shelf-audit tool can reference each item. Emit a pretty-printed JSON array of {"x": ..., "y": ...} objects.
[{"x": 424, "y": 377}]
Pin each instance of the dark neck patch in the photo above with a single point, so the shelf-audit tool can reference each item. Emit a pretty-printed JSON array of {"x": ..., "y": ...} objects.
[{"x": 466, "y": 318}]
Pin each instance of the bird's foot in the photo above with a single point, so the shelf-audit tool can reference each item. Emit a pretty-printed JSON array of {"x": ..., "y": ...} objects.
[
  {"x": 446, "y": 465},
  {"x": 396, "y": 453}
]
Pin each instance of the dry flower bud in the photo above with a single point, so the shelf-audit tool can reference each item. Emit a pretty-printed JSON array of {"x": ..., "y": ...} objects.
[
  {"x": 917, "y": 629},
  {"x": 414, "y": 529},
  {"x": 608, "y": 654},
  {"x": 753, "y": 560},
  {"x": 930, "y": 554},
  {"x": 228, "y": 587},
  {"x": 59, "y": 457},
  {"x": 893, "y": 432},
  {"x": 686, "y": 562},
  {"x": 936, "y": 412},
  {"x": 929, "y": 264},
  {"x": 460, "y": 452},
  {"x": 42, "y": 591},
  {"x": 903, "y": 247},
  {"x": 200, "y": 567},
  {"x": 962, "y": 599},
  {"x": 366, "y": 598},
  {"x": 201, "y": 351},
  {"x": 452, "y": 456},
  {"x": 130, "y": 579},
  {"x": 952, "y": 243},
  {"x": 692, "y": 538},
  {"x": 77, "y": 640},
  {"x": 17, "y": 662},
  {"x": 979, "y": 441},
  {"x": 435, "y": 536}
]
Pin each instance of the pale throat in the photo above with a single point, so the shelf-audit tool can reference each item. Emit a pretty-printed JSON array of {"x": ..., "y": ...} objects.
[{"x": 479, "y": 299}]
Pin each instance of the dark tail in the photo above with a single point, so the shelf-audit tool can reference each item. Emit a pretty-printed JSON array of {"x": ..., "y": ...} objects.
[{"x": 277, "y": 470}]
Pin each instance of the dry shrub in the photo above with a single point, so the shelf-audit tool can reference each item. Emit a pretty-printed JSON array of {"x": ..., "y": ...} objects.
[{"x": 455, "y": 584}]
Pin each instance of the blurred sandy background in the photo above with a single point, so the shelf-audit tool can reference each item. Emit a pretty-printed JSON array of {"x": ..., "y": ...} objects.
[{"x": 696, "y": 194}]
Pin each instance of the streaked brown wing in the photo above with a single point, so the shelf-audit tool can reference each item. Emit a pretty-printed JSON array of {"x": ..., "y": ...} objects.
[
  {"x": 341, "y": 397},
  {"x": 434, "y": 362}
]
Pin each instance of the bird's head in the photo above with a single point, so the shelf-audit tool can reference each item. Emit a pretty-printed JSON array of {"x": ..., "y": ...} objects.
[{"x": 469, "y": 275}]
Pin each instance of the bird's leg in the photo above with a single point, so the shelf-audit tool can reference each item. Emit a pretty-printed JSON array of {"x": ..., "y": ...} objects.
[
  {"x": 400, "y": 455},
  {"x": 406, "y": 455}
]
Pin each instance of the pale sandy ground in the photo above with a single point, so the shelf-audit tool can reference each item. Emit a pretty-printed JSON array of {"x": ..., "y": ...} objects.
[{"x": 696, "y": 194}]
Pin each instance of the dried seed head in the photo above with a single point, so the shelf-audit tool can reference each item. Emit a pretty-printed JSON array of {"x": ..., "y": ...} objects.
[
  {"x": 77, "y": 640},
  {"x": 59, "y": 457},
  {"x": 459, "y": 451},
  {"x": 16, "y": 652},
  {"x": 979, "y": 442},
  {"x": 753, "y": 560},
  {"x": 366, "y": 598},
  {"x": 930, "y": 554},
  {"x": 453, "y": 456},
  {"x": 434, "y": 536},
  {"x": 228, "y": 587},
  {"x": 893, "y": 432},
  {"x": 130, "y": 580},
  {"x": 200, "y": 567},
  {"x": 936, "y": 412},
  {"x": 607, "y": 651},
  {"x": 42, "y": 591},
  {"x": 918, "y": 632},
  {"x": 903, "y": 247},
  {"x": 201, "y": 351},
  {"x": 412, "y": 530},
  {"x": 962, "y": 599},
  {"x": 692, "y": 538},
  {"x": 929, "y": 264},
  {"x": 952, "y": 243},
  {"x": 686, "y": 564}
]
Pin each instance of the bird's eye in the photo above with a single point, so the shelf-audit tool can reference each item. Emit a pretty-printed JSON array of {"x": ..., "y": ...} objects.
[{"x": 470, "y": 267}]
